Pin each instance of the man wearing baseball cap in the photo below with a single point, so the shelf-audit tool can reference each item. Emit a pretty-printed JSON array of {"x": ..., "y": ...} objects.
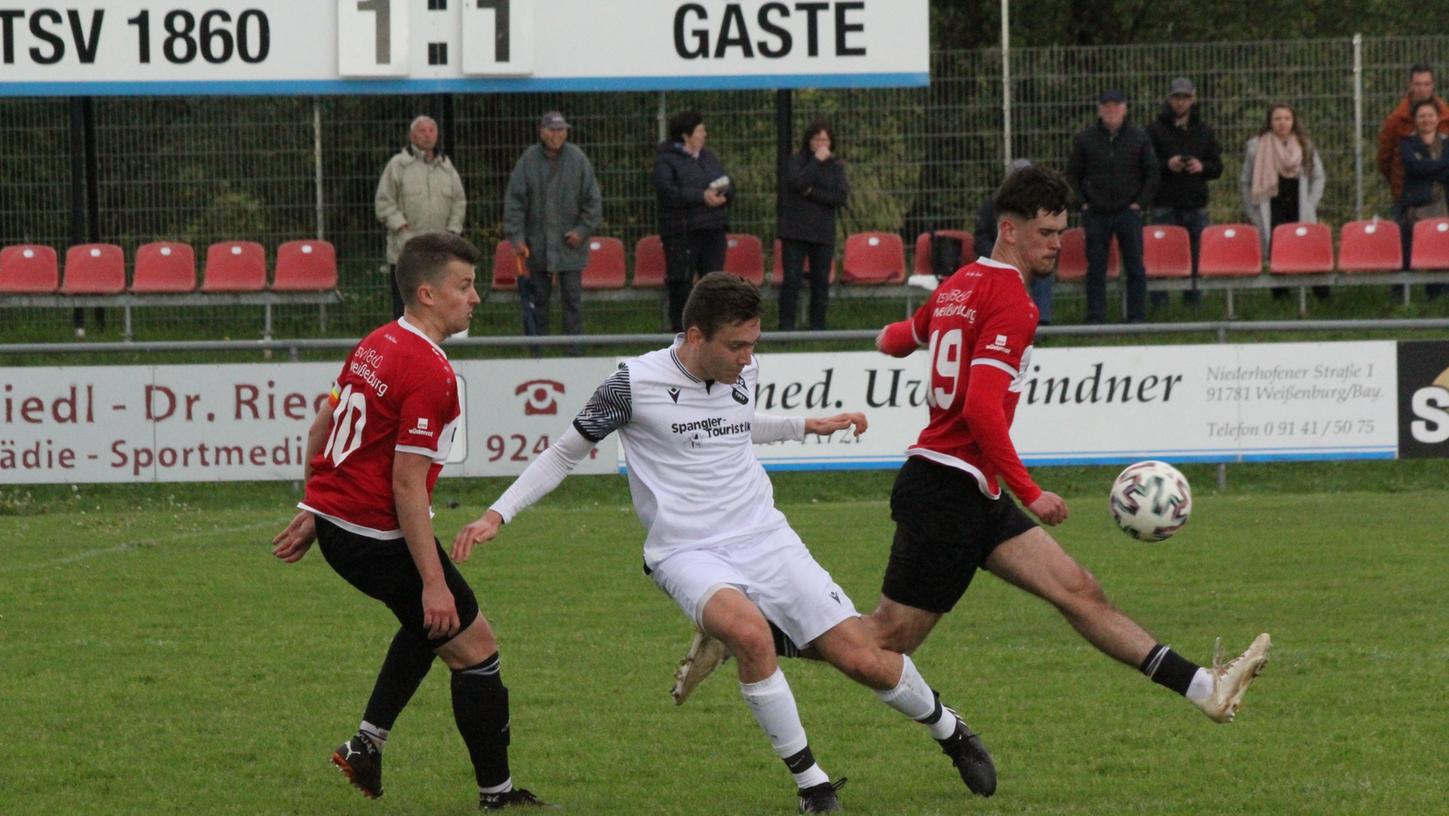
[
  {"x": 1113, "y": 172},
  {"x": 1189, "y": 157},
  {"x": 551, "y": 208}
]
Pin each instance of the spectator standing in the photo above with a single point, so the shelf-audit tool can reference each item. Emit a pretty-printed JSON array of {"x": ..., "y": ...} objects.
[
  {"x": 694, "y": 196},
  {"x": 984, "y": 241},
  {"x": 551, "y": 208},
  {"x": 1282, "y": 180},
  {"x": 419, "y": 192},
  {"x": 1113, "y": 172},
  {"x": 1189, "y": 157},
  {"x": 1426, "y": 171},
  {"x": 1399, "y": 125},
  {"x": 815, "y": 187}
]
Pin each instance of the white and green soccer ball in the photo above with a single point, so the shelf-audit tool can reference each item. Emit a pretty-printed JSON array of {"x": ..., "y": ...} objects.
[{"x": 1150, "y": 500}]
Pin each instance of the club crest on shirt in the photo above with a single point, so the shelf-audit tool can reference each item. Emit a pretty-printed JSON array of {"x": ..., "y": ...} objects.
[{"x": 738, "y": 392}]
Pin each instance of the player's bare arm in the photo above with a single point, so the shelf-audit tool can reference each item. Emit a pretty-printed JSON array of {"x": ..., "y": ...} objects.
[
  {"x": 484, "y": 528},
  {"x": 824, "y": 426},
  {"x": 410, "y": 493},
  {"x": 292, "y": 544}
]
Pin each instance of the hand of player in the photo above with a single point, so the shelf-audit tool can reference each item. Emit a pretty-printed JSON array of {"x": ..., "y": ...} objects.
[
  {"x": 485, "y": 528},
  {"x": 573, "y": 239},
  {"x": 1049, "y": 508},
  {"x": 292, "y": 543},
  {"x": 440, "y": 614},
  {"x": 824, "y": 426}
]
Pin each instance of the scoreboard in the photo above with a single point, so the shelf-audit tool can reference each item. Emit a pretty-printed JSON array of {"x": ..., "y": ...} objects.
[{"x": 219, "y": 47}]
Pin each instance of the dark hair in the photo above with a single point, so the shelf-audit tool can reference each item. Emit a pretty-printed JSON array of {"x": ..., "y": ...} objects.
[
  {"x": 1431, "y": 102},
  {"x": 683, "y": 123},
  {"x": 1032, "y": 190},
  {"x": 425, "y": 256},
  {"x": 1420, "y": 68},
  {"x": 817, "y": 126},
  {"x": 721, "y": 299},
  {"x": 1299, "y": 131}
]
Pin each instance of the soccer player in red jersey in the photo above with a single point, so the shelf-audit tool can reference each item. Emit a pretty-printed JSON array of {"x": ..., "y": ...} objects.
[
  {"x": 951, "y": 515},
  {"x": 372, "y": 462}
]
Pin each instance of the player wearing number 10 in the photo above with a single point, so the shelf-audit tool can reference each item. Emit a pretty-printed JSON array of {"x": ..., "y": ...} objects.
[{"x": 371, "y": 465}]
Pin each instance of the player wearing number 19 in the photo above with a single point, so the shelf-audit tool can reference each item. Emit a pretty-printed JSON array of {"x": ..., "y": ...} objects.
[
  {"x": 372, "y": 462},
  {"x": 950, "y": 512}
]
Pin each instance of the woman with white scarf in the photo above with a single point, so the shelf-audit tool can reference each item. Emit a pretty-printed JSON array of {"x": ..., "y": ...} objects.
[{"x": 1282, "y": 180}]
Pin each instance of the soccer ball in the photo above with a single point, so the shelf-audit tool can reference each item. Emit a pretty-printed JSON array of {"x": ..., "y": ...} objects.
[{"x": 1150, "y": 500}]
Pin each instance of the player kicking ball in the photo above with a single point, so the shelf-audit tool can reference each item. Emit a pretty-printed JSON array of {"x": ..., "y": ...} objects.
[
  {"x": 951, "y": 515},
  {"x": 372, "y": 462},
  {"x": 715, "y": 541}
]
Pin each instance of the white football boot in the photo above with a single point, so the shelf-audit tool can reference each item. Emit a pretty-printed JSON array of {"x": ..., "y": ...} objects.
[
  {"x": 1231, "y": 679},
  {"x": 704, "y": 656}
]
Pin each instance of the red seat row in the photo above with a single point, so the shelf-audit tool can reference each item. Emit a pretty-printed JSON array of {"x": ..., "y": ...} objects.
[
  {"x": 1235, "y": 250},
  {"x": 166, "y": 266}
]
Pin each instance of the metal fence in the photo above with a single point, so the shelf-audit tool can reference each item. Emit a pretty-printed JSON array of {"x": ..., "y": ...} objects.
[{"x": 273, "y": 169}]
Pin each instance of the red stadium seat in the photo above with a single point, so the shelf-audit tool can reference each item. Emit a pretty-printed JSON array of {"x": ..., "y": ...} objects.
[
  {"x": 235, "y": 266},
  {"x": 1370, "y": 246},
  {"x": 28, "y": 269},
  {"x": 1166, "y": 251},
  {"x": 1301, "y": 249},
  {"x": 164, "y": 267},
  {"x": 873, "y": 259},
  {"x": 606, "y": 267},
  {"x": 745, "y": 256},
  {"x": 923, "y": 264},
  {"x": 305, "y": 266},
  {"x": 777, "y": 273},
  {"x": 94, "y": 269},
  {"x": 1072, "y": 260},
  {"x": 1230, "y": 250},
  {"x": 505, "y": 267},
  {"x": 1431, "y": 244},
  {"x": 648, "y": 263}
]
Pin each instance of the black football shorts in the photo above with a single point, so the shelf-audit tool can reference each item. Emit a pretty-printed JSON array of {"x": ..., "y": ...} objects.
[
  {"x": 945, "y": 529},
  {"x": 385, "y": 570}
]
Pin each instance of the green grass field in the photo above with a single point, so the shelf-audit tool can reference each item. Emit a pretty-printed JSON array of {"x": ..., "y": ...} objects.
[{"x": 155, "y": 659}]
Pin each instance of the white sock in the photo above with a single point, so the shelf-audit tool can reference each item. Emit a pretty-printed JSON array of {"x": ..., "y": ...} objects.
[
  {"x": 1202, "y": 685},
  {"x": 505, "y": 787},
  {"x": 377, "y": 735},
  {"x": 774, "y": 708},
  {"x": 913, "y": 698}
]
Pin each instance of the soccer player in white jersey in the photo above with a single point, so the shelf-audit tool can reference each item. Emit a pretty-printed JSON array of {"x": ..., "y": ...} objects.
[
  {"x": 951, "y": 515},
  {"x": 715, "y": 541},
  {"x": 372, "y": 462}
]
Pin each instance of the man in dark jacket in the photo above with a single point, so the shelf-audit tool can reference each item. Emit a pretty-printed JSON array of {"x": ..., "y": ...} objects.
[
  {"x": 815, "y": 188},
  {"x": 1113, "y": 171},
  {"x": 1189, "y": 157},
  {"x": 694, "y": 195}
]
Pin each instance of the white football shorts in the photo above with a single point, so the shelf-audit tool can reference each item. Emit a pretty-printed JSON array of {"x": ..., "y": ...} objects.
[{"x": 776, "y": 572}]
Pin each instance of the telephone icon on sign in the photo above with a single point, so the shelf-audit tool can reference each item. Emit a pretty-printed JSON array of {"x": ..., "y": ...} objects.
[{"x": 542, "y": 396}]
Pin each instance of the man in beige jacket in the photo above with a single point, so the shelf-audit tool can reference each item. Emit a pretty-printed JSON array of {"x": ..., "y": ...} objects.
[{"x": 419, "y": 192}]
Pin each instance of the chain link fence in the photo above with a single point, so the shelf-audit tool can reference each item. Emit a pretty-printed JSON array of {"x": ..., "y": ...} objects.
[{"x": 202, "y": 170}]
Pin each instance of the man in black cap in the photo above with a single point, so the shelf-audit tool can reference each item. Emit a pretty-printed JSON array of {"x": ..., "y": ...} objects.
[
  {"x": 1187, "y": 149},
  {"x": 1113, "y": 172},
  {"x": 551, "y": 208}
]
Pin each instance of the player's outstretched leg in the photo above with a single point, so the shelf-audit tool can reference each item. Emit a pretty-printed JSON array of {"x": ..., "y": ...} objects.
[
  {"x": 1229, "y": 680},
  {"x": 360, "y": 758}
]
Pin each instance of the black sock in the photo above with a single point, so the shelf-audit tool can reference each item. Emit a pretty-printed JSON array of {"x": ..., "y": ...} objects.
[
  {"x": 1168, "y": 668},
  {"x": 480, "y": 708},
  {"x": 800, "y": 761},
  {"x": 784, "y": 647},
  {"x": 408, "y": 660}
]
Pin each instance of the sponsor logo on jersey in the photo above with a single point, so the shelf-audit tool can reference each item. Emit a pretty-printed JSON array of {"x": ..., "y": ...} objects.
[
  {"x": 999, "y": 344},
  {"x": 421, "y": 429}
]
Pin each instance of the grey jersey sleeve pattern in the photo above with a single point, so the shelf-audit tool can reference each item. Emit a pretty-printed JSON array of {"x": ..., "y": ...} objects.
[{"x": 608, "y": 409}]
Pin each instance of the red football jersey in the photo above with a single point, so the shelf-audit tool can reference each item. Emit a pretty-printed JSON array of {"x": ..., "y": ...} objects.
[
  {"x": 397, "y": 392},
  {"x": 979, "y": 318}
]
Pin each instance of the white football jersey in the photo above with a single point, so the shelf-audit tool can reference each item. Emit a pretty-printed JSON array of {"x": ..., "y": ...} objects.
[{"x": 692, "y": 469}]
